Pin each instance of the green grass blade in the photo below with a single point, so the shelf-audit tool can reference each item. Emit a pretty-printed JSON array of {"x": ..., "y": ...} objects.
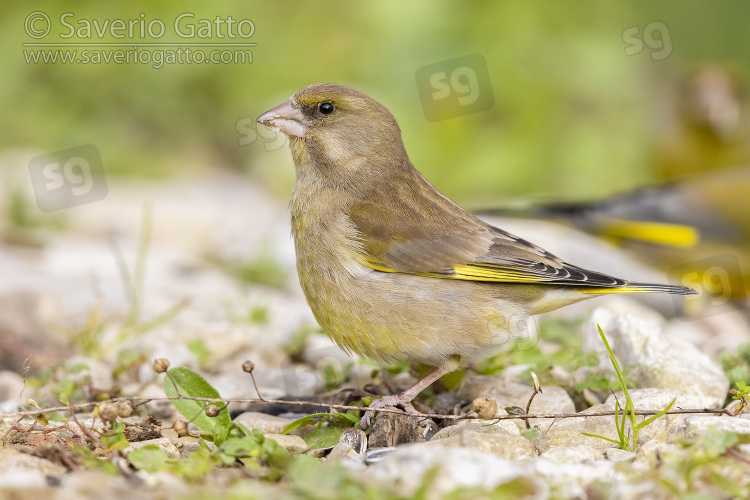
[{"x": 654, "y": 417}]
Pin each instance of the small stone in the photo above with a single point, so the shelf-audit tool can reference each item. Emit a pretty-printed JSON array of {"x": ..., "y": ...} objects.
[
  {"x": 350, "y": 450},
  {"x": 393, "y": 429},
  {"x": 352, "y": 439},
  {"x": 293, "y": 444},
  {"x": 187, "y": 445},
  {"x": 573, "y": 454},
  {"x": 163, "y": 443},
  {"x": 170, "y": 434},
  {"x": 268, "y": 424},
  {"x": 485, "y": 407}
]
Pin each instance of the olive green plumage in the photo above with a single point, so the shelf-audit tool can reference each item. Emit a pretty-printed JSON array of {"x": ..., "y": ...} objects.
[{"x": 393, "y": 269}]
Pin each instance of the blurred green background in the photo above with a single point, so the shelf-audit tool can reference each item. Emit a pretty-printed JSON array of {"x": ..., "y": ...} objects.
[{"x": 574, "y": 117}]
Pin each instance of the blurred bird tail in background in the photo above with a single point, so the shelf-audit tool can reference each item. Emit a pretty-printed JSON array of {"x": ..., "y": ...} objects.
[{"x": 687, "y": 221}]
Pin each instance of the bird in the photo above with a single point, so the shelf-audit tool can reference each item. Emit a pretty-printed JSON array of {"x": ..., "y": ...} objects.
[{"x": 393, "y": 269}]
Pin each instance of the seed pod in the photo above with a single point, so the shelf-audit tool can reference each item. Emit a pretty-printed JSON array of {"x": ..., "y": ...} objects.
[
  {"x": 212, "y": 410},
  {"x": 161, "y": 365},
  {"x": 108, "y": 411},
  {"x": 248, "y": 366},
  {"x": 125, "y": 408},
  {"x": 485, "y": 407},
  {"x": 181, "y": 428}
]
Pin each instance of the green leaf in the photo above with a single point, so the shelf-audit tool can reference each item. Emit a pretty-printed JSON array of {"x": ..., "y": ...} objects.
[
  {"x": 150, "y": 458},
  {"x": 601, "y": 437},
  {"x": 196, "y": 466},
  {"x": 114, "y": 439},
  {"x": 306, "y": 420},
  {"x": 189, "y": 383},
  {"x": 531, "y": 434},
  {"x": 324, "y": 437},
  {"x": 346, "y": 418},
  {"x": 515, "y": 410},
  {"x": 241, "y": 447}
]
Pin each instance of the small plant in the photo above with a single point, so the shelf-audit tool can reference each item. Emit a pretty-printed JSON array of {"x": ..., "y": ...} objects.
[
  {"x": 624, "y": 441},
  {"x": 324, "y": 436},
  {"x": 736, "y": 366},
  {"x": 741, "y": 394},
  {"x": 232, "y": 441}
]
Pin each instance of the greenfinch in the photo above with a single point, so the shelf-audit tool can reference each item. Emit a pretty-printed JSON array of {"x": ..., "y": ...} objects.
[{"x": 393, "y": 269}]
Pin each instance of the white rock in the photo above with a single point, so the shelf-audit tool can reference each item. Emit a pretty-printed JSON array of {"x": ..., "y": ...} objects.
[
  {"x": 700, "y": 424},
  {"x": 636, "y": 336},
  {"x": 476, "y": 426},
  {"x": 13, "y": 462},
  {"x": 619, "y": 455},
  {"x": 573, "y": 454},
  {"x": 572, "y": 480},
  {"x": 11, "y": 385},
  {"x": 459, "y": 468},
  {"x": 568, "y": 432},
  {"x": 503, "y": 444}
]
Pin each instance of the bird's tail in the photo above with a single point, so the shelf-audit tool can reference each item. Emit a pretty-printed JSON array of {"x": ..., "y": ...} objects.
[{"x": 633, "y": 287}]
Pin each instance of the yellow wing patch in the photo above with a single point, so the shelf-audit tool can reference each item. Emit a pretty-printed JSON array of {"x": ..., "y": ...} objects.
[{"x": 471, "y": 273}]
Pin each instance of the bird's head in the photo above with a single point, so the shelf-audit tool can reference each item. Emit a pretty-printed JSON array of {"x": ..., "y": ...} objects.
[{"x": 337, "y": 132}]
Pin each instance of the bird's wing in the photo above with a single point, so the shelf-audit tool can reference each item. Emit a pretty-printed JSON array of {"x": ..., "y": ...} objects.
[{"x": 447, "y": 242}]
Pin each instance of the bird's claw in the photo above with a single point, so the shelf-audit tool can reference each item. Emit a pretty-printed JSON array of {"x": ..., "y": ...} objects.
[{"x": 392, "y": 401}]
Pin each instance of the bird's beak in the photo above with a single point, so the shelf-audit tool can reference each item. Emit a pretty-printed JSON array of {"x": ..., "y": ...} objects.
[{"x": 285, "y": 119}]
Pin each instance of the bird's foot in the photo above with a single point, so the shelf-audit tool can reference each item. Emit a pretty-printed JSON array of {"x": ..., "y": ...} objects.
[{"x": 401, "y": 400}]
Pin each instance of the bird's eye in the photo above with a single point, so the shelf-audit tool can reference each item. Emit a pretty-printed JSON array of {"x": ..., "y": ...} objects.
[{"x": 326, "y": 108}]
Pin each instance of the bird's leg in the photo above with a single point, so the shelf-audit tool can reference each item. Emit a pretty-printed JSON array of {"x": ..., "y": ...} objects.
[{"x": 405, "y": 398}]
